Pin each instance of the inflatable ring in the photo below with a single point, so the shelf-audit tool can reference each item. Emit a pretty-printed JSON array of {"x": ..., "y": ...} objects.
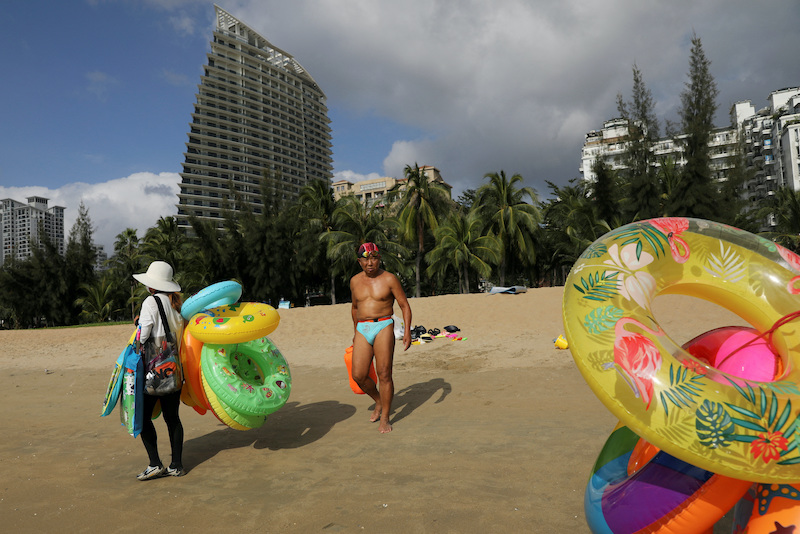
[
  {"x": 664, "y": 495},
  {"x": 235, "y": 323},
  {"x": 213, "y": 296},
  {"x": 229, "y": 416},
  {"x": 192, "y": 393},
  {"x": 250, "y": 378},
  {"x": 707, "y": 417}
]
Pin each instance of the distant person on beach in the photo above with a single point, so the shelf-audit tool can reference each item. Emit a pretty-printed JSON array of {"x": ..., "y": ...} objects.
[
  {"x": 374, "y": 292},
  {"x": 159, "y": 282}
]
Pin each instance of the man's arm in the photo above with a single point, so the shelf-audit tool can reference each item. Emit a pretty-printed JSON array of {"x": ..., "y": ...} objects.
[
  {"x": 354, "y": 306},
  {"x": 405, "y": 307}
]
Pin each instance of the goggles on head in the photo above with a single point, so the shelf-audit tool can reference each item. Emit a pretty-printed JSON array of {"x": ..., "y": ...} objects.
[{"x": 368, "y": 249}]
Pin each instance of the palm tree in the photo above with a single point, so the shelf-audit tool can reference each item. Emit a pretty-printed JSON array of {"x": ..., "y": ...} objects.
[
  {"x": 96, "y": 303},
  {"x": 503, "y": 208},
  {"x": 166, "y": 242},
  {"x": 461, "y": 245},
  {"x": 353, "y": 224},
  {"x": 125, "y": 262},
  {"x": 316, "y": 206},
  {"x": 419, "y": 203}
]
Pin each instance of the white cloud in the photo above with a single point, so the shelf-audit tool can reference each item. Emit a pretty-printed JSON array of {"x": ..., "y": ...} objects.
[{"x": 136, "y": 201}]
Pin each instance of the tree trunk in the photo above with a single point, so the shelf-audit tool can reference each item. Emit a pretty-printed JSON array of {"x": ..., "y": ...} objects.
[
  {"x": 333, "y": 289},
  {"x": 420, "y": 250}
]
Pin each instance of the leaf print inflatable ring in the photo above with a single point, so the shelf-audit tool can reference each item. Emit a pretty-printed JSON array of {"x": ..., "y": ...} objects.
[{"x": 727, "y": 424}]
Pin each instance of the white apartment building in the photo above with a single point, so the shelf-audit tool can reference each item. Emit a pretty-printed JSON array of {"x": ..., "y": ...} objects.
[
  {"x": 771, "y": 143},
  {"x": 258, "y": 111},
  {"x": 23, "y": 224},
  {"x": 373, "y": 191},
  {"x": 610, "y": 144}
]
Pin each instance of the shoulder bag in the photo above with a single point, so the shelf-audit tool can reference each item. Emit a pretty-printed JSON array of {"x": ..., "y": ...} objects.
[{"x": 162, "y": 362}]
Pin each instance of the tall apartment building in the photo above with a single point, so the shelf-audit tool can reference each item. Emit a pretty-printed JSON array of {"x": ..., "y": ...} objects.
[
  {"x": 374, "y": 190},
  {"x": 258, "y": 112},
  {"x": 770, "y": 138},
  {"x": 22, "y": 225}
]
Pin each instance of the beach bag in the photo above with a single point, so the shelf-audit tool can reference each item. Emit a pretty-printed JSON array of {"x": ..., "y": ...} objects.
[
  {"x": 162, "y": 361},
  {"x": 131, "y": 398}
]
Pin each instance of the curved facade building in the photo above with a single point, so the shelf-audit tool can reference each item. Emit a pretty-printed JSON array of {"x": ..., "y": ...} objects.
[{"x": 259, "y": 115}]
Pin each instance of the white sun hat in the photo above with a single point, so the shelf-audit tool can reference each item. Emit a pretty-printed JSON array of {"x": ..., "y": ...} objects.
[{"x": 159, "y": 277}]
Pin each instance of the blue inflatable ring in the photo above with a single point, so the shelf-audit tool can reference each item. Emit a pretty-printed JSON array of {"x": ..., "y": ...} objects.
[{"x": 219, "y": 294}]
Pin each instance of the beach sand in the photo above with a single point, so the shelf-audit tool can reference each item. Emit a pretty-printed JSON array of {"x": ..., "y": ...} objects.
[{"x": 494, "y": 433}]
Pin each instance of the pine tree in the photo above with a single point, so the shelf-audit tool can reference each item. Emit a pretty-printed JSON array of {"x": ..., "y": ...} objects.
[
  {"x": 697, "y": 194},
  {"x": 640, "y": 176}
]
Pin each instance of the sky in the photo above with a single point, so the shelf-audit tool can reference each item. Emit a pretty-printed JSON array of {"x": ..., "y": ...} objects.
[{"x": 97, "y": 95}]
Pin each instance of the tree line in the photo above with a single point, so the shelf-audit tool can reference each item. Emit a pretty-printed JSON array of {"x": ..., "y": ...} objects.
[{"x": 501, "y": 233}]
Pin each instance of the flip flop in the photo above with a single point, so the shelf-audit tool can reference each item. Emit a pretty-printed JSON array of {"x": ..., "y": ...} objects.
[{"x": 434, "y": 332}]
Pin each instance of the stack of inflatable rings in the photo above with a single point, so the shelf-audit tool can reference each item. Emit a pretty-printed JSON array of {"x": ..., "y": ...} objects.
[
  {"x": 686, "y": 421},
  {"x": 230, "y": 365}
]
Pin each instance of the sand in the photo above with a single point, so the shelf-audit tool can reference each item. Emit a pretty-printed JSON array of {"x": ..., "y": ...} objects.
[{"x": 494, "y": 433}]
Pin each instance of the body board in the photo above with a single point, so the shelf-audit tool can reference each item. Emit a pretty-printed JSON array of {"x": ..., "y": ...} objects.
[{"x": 115, "y": 383}]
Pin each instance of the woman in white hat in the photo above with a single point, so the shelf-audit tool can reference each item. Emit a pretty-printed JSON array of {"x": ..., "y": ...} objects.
[{"x": 158, "y": 280}]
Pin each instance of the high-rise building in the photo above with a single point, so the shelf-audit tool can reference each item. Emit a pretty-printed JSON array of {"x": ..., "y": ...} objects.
[
  {"x": 23, "y": 224},
  {"x": 771, "y": 139},
  {"x": 258, "y": 114}
]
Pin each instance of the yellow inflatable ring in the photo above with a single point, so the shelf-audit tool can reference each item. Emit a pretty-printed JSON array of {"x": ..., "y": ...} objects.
[
  {"x": 235, "y": 323},
  {"x": 732, "y": 426}
]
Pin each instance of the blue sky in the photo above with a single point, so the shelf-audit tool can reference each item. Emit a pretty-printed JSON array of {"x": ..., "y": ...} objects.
[{"x": 97, "y": 94}]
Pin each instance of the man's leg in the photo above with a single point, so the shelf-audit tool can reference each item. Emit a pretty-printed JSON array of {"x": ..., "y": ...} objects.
[
  {"x": 362, "y": 358},
  {"x": 383, "y": 348}
]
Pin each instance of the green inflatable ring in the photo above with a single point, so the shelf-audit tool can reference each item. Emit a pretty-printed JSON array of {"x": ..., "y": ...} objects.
[
  {"x": 230, "y": 417},
  {"x": 250, "y": 378}
]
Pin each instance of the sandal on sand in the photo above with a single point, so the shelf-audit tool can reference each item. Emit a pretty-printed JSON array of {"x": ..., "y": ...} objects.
[{"x": 434, "y": 332}]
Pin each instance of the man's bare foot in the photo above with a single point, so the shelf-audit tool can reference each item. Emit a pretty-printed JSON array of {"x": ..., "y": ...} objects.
[
  {"x": 385, "y": 427},
  {"x": 376, "y": 414}
]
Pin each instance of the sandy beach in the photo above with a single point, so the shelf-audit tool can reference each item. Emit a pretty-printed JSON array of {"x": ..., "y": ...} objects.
[{"x": 494, "y": 433}]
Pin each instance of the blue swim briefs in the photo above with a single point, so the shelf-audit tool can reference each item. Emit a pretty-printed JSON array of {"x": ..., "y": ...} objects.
[{"x": 370, "y": 328}]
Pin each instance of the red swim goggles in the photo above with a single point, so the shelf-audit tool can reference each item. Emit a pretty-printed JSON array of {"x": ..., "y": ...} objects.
[{"x": 368, "y": 250}]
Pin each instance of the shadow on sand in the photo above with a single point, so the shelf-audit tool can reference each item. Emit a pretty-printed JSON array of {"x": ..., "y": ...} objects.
[
  {"x": 292, "y": 426},
  {"x": 412, "y": 397}
]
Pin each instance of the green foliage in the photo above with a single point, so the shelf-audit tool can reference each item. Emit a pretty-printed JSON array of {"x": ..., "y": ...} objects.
[
  {"x": 422, "y": 202},
  {"x": 461, "y": 246},
  {"x": 502, "y": 207}
]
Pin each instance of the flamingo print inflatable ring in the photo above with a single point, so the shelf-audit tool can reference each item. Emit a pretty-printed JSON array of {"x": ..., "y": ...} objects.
[{"x": 743, "y": 426}]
